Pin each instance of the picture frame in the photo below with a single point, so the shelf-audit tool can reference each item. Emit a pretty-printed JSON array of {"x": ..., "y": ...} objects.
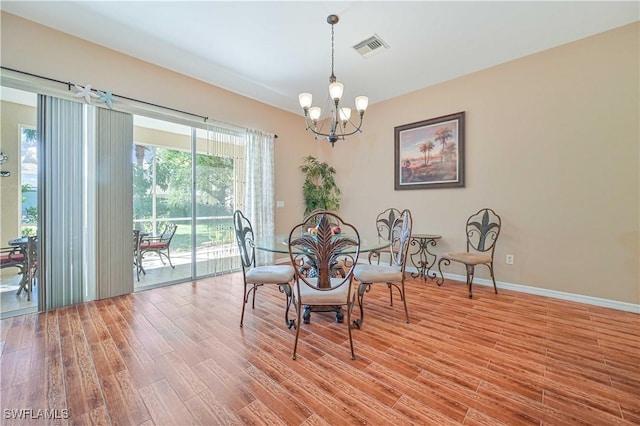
[{"x": 429, "y": 154}]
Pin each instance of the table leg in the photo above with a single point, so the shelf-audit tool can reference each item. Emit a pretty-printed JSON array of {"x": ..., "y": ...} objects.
[
  {"x": 312, "y": 271},
  {"x": 307, "y": 309},
  {"x": 422, "y": 256}
]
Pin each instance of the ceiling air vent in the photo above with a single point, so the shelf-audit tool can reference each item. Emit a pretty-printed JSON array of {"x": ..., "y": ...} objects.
[{"x": 371, "y": 46}]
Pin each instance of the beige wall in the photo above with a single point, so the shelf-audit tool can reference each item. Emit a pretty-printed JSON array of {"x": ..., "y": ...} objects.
[{"x": 552, "y": 144}]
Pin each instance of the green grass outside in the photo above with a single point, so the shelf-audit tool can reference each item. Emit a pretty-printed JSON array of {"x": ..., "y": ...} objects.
[{"x": 217, "y": 233}]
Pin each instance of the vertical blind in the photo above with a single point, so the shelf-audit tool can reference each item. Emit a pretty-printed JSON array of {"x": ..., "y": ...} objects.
[
  {"x": 61, "y": 199},
  {"x": 113, "y": 202},
  {"x": 85, "y": 202}
]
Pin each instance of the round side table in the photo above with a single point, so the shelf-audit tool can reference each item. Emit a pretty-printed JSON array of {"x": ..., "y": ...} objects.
[{"x": 422, "y": 258}]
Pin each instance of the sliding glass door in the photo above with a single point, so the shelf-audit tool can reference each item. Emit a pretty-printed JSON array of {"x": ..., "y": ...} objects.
[
  {"x": 162, "y": 166},
  {"x": 18, "y": 194},
  {"x": 179, "y": 178},
  {"x": 81, "y": 178}
]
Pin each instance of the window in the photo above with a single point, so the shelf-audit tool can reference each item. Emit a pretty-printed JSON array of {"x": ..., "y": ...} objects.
[
  {"x": 29, "y": 181},
  {"x": 172, "y": 185}
]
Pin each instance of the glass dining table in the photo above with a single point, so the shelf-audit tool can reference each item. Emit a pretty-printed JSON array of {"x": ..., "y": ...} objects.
[{"x": 279, "y": 243}]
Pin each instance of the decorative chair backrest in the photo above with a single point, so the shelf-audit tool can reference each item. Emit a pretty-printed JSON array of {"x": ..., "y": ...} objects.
[
  {"x": 384, "y": 222},
  {"x": 483, "y": 229},
  {"x": 318, "y": 241},
  {"x": 245, "y": 239},
  {"x": 168, "y": 232},
  {"x": 136, "y": 240},
  {"x": 32, "y": 252},
  {"x": 31, "y": 258},
  {"x": 400, "y": 239}
]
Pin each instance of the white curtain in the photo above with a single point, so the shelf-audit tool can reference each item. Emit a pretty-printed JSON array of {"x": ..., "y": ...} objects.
[{"x": 259, "y": 197}]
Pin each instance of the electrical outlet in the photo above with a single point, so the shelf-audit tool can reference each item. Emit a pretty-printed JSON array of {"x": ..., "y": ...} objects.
[{"x": 509, "y": 259}]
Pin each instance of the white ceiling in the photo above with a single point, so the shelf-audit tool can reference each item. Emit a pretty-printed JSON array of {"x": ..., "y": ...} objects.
[{"x": 271, "y": 51}]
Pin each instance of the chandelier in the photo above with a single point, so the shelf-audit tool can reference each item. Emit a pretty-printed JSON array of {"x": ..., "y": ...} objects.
[{"x": 338, "y": 121}]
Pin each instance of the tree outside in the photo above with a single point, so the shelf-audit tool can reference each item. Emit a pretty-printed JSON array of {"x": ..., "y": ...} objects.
[{"x": 214, "y": 194}]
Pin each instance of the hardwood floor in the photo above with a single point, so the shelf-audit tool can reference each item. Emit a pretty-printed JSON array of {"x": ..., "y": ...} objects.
[{"x": 175, "y": 355}]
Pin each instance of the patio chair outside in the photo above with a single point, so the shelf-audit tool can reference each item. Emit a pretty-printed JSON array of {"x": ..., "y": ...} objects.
[{"x": 159, "y": 244}]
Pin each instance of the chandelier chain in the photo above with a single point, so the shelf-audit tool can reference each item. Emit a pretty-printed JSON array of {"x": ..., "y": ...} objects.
[{"x": 333, "y": 76}]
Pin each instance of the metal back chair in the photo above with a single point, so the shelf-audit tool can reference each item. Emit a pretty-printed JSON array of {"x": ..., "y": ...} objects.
[
  {"x": 16, "y": 257},
  {"x": 384, "y": 224},
  {"x": 256, "y": 276},
  {"x": 336, "y": 269},
  {"x": 23, "y": 256},
  {"x": 483, "y": 229},
  {"x": 159, "y": 244},
  {"x": 12, "y": 257},
  {"x": 137, "y": 253},
  {"x": 393, "y": 274},
  {"x": 31, "y": 269},
  {"x": 400, "y": 238},
  {"x": 323, "y": 290}
]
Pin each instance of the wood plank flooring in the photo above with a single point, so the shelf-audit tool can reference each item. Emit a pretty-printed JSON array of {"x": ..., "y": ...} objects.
[{"x": 176, "y": 356}]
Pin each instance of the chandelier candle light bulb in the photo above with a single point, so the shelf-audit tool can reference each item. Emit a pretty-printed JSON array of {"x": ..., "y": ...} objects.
[
  {"x": 362, "y": 102},
  {"x": 314, "y": 114},
  {"x": 345, "y": 113},
  {"x": 338, "y": 119},
  {"x": 336, "y": 90},
  {"x": 305, "y": 100}
]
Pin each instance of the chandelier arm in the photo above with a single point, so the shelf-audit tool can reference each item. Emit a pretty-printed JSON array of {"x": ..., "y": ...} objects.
[
  {"x": 309, "y": 126},
  {"x": 357, "y": 128},
  {"x": 313, "y": 127}
]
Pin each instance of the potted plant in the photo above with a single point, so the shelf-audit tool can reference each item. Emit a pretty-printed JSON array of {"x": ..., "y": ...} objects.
[{"x": 320, "y": 190}]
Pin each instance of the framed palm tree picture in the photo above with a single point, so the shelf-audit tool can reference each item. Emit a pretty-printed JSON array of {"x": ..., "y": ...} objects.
[{"x": 430, "y": 153}]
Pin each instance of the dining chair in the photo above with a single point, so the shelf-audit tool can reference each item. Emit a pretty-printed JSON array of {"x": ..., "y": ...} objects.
[
  {"x": 12, "y": 257},
  {"x": 137, "y": 254},
  {"x": 15, "y": 257},
  {"x": 323, "y": 290},
  {"x": 257, "y": 276},
  {"x": 384, "y": 224},
  {"x": 159, "y": 244},
  {"x": 31, "y": 268},
  {"x": 392, "y": 275},
  {"x": 337, "y": 268},
  {"x": 482, "y": 229},
  {"x": 24, "y": 257}
]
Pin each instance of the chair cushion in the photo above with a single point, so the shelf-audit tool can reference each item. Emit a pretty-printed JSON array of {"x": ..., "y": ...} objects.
[
  {"x": 13, "y": 258},
  {"x": 312, "y": 296},
  {"x": 467, "y": 258},
  {"x": 154, "y": 246},
  {"x": 377, "y": 273},
  {"x": 272, "y": 274}
]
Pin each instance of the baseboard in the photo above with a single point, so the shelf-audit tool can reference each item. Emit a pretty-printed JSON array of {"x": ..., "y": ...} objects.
[
  {"x": 16, "y": 312},
  {"x": 596, "y": 301},
  {"x": 589, "y": 300}
]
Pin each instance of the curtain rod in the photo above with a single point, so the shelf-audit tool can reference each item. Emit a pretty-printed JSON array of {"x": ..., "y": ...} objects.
[{"x": 68, "y": 84}]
